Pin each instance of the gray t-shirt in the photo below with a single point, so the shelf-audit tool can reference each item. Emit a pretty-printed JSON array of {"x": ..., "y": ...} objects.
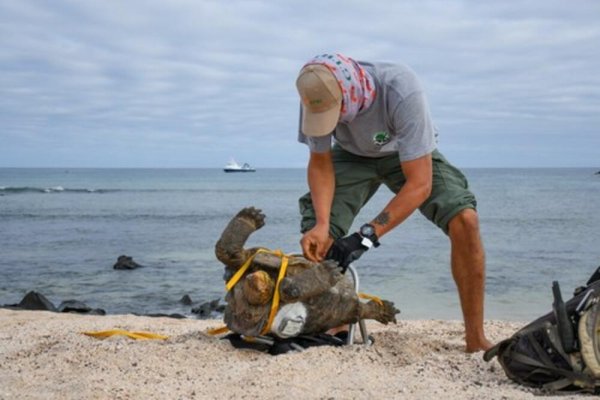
[{"x": 397, "y": 121}]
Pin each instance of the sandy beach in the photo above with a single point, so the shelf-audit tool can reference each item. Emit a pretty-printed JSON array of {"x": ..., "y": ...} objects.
[{"x": 44, "y": 355}]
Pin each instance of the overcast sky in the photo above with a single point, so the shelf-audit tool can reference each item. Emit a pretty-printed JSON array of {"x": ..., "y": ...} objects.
[{"x": 190, "y": 83}]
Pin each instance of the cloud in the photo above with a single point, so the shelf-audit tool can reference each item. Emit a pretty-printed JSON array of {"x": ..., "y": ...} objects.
[{"x": 189, "y": 83}]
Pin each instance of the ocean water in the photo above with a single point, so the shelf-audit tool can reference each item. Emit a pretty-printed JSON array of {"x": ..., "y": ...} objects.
[{"x": 61, "y": 231}]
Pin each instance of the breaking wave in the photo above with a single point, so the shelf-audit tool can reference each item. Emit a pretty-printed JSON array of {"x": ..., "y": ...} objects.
[
  {"x": 54, "y": 189},
  {"x": 6, "y": 190}
]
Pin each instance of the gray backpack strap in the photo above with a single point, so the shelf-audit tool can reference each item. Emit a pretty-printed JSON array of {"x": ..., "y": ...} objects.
[{"x": 570, "y": 377}]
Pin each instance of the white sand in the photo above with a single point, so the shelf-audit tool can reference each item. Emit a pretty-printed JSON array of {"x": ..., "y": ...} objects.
[{"x": 43, "y": 355}]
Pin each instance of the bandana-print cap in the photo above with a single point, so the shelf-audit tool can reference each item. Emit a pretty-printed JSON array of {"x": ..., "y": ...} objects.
[
  {"x": 321, "y": 100},
  {"x": 333, "y": 89}
]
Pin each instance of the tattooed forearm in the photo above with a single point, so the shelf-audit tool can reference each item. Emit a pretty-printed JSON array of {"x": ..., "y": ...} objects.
[{"x": 382, "y": 219}]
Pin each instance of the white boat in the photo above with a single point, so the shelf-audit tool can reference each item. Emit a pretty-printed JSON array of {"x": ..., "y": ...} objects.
[{"x": 233, "y": 166}]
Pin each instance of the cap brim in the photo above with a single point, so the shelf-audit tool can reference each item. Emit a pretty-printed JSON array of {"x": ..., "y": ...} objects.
[{"x": 319, "y": 124}]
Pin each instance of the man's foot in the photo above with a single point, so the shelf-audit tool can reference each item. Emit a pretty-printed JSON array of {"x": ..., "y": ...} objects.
[{"x": 479, "y": 345}]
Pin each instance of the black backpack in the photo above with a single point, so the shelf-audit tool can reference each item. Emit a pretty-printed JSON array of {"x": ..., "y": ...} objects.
[{"x": 560, "y": 350}]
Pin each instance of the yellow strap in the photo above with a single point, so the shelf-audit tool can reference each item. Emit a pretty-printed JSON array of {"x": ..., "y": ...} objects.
[
  {"x": 240, "y": 272},
  {"x": 371, "y": 297},
  {"x": 238, "y": 275},
  {"x": 275, "y": 303},
  {"x": 218, "y": 331},
  {"x": 132, "y": 335}
]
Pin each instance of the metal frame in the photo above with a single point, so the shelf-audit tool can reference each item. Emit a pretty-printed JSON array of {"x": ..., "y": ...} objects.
[{"x": 361, "y": 323}]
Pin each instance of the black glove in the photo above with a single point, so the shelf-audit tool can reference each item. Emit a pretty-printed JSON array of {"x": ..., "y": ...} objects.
[{"x": 346, "y": 250}]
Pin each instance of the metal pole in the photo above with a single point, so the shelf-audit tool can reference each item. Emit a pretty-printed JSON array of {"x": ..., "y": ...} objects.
[
  {"x": 352, "y": 329},
  {"x": 361, "y": 323}
]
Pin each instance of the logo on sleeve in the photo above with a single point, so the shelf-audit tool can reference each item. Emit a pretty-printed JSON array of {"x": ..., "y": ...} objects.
[{"x": 381, "y": 138}]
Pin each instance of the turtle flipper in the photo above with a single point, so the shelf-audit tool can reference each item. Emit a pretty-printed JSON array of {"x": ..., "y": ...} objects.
[
  {"x": 383, "y": 312},
  {"x": 230, "y": 247}
]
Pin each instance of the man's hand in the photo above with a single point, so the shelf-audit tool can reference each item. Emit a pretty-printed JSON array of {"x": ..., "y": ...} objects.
[
  {"x": 346, "y": 250},
  {"x": 315, "y": 243}
]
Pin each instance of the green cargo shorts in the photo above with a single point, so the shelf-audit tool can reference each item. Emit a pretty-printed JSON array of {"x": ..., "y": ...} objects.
[{"x": 358, "y": 178}]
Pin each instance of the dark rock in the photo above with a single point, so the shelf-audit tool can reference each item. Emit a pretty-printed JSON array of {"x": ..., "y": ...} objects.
[
  {"x": 74, "y": 306},
  {"x": 96, "y": 311},
  {"x": 126, "y": 262},
  {"x": 204, "y": 310},
  {"x": 186, "y": 300},
  {"x": 36, "y": 301},
  {"x": 174, "y": 315}
]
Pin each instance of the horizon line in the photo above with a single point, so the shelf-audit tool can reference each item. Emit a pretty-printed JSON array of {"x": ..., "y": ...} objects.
[{"x": 291, "y": 167}]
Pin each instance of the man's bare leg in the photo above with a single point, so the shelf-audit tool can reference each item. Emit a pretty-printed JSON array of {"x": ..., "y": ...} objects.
[{"x": 468, "y": 270}]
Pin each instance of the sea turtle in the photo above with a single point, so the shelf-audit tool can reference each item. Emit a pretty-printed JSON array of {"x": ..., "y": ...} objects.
[{"x": 314, "y": 297}]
